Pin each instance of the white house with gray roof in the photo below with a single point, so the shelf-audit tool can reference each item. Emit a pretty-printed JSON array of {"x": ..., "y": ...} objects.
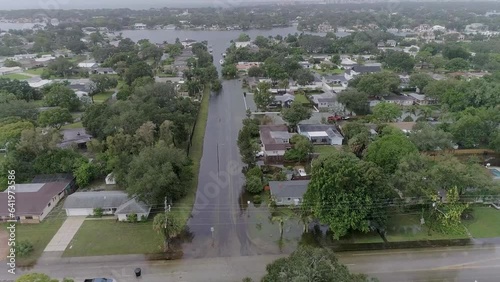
[
  {"x": 116, "y": 203},
  {"x": 287, "y": 193},
  {"x": 321, "y": 134}
]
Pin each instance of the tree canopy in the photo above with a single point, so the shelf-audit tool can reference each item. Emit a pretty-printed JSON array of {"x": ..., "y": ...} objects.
[
  {"x": 346, "y": 193},
  {"x": 310, "y": 264},
  {"x": 388, "y": 151}
]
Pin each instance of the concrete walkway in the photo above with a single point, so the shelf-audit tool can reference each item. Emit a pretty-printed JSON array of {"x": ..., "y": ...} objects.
[{"x": 64, "y": 235}]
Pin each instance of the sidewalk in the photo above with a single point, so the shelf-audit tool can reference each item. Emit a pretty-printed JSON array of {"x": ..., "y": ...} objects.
[{"x": 65, "y": 234}]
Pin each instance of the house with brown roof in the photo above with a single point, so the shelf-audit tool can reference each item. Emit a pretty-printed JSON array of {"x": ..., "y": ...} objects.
[
  {"x": 33, "y": 201},
  {"x": 275, "y": 141}
]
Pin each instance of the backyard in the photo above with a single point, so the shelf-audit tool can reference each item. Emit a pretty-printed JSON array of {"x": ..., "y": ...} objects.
[
  {"x": 103, "y": 97},
  {"x": 324, "y": 149},
  {"x": 301, "y": 98},
  {"x": 120, "y": 238},
  {"x": 485, "y": 222},
  {"x": 37, "y": 71}
]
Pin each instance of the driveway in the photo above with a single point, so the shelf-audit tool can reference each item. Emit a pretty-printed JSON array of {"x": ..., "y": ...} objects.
[{"x": 65, "y": 234}]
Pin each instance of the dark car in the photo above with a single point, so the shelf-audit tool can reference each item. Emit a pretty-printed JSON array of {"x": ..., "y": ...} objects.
[{"x": 98, "y": 280}]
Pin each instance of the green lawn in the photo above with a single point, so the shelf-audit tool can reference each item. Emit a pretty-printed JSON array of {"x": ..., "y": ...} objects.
[
  {"x": 300, "y": 98},
  {"x": 195, "y": 154},
  {"x": 406, "y": 227},
  {"x": 73, "y": 125},
  {"x": 486, "y": 223},
  {"x": 324, "y": 149},
  {"x": 39, "y": 234},
  {"x": 103, "y": 97},
  {"x": 37, "y": 71},
  {"x": 108, "y": 237},
  {"x": 18, "y": 76},
  {"x": 333, "y": 71}
]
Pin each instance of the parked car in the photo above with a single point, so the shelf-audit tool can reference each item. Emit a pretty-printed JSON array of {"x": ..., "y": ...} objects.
[
  {"x": 259, "y": 154},
  {"x": 98, "y": 280},
  {"x": 334, "y": 118}
]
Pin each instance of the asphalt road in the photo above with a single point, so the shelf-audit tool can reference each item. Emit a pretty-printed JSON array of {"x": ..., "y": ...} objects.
[
  {"x": 216, "y": 225},
  {"x": 479, "y": 263}
]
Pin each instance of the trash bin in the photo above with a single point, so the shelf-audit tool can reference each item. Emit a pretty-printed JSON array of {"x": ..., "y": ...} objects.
[{"x": 137, "y": 272}]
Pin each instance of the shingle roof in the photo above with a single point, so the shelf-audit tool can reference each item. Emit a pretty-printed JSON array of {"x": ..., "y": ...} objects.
[
  {"x": 294, "y": 188},
  {"x": 101, "y": 199},
  {"x": 266, "y": 135},
  {"x": 75, "y": 135},
  {"x": 132, "y": 206},
  {"x": 33, "y": 199},
  {"x": 366, "y": 69}
]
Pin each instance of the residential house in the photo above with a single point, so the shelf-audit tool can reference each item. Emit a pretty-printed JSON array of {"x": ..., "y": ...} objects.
[
  {"x": 336, "y": 82},
  {"x": 88, "y": 65},
  {"x": 102, "y": 71},
  {"x": 347, "y": 63},
  {"x": 323, "y": 101},
  {"x": 24, "y": 57},
  {"x": 188, "y": 43},
  {"x": 77, "y": 136},
  {"x": 38, "y": 83},
  {"x": 402, "y": 100},
  {"x": 321, "y": 134},
  {"x": 285, "y": 100},
  {"x": 67, "y": 178},
  {"x": 287, "y": 193},
  {"x": 10, "y": 70},
  {"x": 360, "y": 70},
  {"x": 404, "y": 81},
  {"x": 116, "y": 203},
  {"x": 245, "y": 66},
  {"x": 391, "y": 43},
  {"x": 275, "y": 141},
  {"x": 380, "y": 44},
  {"x": 34, "y": 201},
  {"x": 242, "y": 44},
  {"x": 140, "y": 26},
  {"x": 421, "y": 99}
]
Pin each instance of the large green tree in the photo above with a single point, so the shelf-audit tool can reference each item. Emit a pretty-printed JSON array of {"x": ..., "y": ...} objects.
[
  {"x": 420, "y": 80},
  {"x": 429, "y": 138},
  {"x": 388, "y": 151},
  {"x": 295, "y": 114},
  {"x": 158, "y": 172},
  {"x": 355, "y": 101},
  {"x": 55, "y": 117},
  {"x": 398, "y": 61},
  {"x": 136, "y": 70},
  {"x": 301, "y": 149},
  {"x": 60, "y": 95},
  {"x": 346, "y": 193},
  {"x": 262, "y": 96},
  {"x": 11, "y": 131},
  {"x": 377, "y": 84},
  {"x": 386, "y": 112},
  {"x": 21, "y": 89},
  {"x": 310, "y": 264}
]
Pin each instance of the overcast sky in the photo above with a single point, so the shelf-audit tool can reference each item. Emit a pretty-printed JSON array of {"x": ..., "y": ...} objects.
[{"x": 133, "y": 4}]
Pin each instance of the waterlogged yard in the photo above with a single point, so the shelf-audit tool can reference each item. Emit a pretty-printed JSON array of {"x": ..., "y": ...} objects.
[{"x": 109, "y": 237}]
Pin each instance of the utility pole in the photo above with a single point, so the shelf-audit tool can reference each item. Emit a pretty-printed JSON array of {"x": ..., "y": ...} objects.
[{"x": 167, "y": 209}]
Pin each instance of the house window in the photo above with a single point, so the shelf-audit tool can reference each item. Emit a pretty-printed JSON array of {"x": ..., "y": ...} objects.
[
  {"x": 28, "y": 217},
  {"x": 289, "y": 199},
  {"x": 285, "y": 140},
  {"x": 324, "y": 140},
  {"x": 48, "y": 205}
]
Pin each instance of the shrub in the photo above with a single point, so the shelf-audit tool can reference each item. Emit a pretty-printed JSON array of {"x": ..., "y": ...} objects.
[
  {"x": 254, "y": 171},
  {"x": 257, "y": 199},
  {"x": 132, "y": 217},
  {"x": 24, "y": 248},
  {"x": 254, "y": 185},
  {"x": 98, "y": 212},
  {"x": 143, "y": 218}
]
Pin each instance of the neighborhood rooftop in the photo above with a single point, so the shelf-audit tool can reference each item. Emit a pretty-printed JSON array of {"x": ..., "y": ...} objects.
[
  {"x": 294, "y": 188},
  {"x": 31, "y": 199},
  {"x": 101, "y": 199}
]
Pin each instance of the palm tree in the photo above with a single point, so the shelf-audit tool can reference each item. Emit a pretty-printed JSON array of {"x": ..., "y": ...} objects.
[{"x": 169, "y": 225}]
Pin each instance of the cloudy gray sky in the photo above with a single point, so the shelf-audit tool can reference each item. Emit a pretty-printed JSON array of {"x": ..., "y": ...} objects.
[{"x": 133, "y": 4}]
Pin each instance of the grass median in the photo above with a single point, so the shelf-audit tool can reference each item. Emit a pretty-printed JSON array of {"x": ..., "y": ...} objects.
[{"x": 195, "y": 153}]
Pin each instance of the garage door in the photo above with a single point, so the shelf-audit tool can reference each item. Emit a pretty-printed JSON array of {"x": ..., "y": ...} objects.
[{"x": 78, "y": 212}]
